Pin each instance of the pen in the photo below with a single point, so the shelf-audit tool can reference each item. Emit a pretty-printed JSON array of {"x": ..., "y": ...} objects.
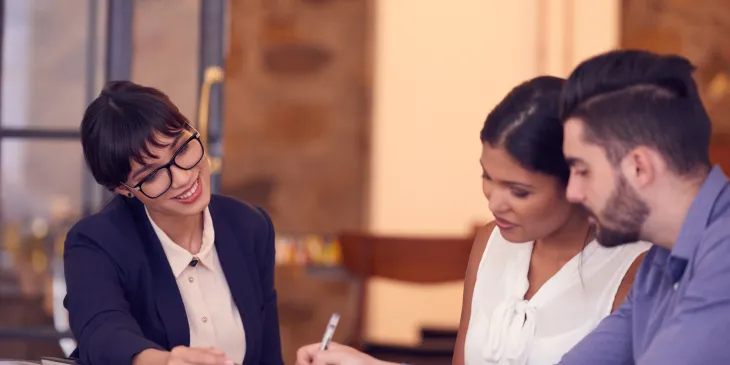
[{"x": 330, "y": 331}]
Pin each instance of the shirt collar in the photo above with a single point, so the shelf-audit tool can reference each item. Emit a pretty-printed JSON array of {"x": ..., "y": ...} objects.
[
  {"x": 699, "y": 213},
  {"x": 178, "y": 257}
]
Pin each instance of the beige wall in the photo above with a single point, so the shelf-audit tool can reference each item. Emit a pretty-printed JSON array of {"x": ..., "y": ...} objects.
[
  {"x": 439, "y": 69},
  {"x": 574, "y": 30},
  {"x": 166, "y": 50}
]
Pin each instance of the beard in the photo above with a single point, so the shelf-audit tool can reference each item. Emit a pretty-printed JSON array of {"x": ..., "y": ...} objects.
[{"x": 623, "y": 217}]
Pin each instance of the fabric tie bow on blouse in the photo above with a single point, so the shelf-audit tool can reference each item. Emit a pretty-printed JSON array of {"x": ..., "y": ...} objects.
[{"x": 512, "y": 319}]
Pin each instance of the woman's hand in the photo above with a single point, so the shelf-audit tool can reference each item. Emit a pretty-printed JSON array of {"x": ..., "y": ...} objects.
[
  {"x": 183, "y": 355},
  {"x": 335, "y": 354}
]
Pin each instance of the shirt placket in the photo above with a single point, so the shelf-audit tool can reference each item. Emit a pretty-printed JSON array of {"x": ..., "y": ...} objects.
[{"x": 203, "y": 314}]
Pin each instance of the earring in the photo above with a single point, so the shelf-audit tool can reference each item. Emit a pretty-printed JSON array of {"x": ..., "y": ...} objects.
[{"x": 129, "y": 195}]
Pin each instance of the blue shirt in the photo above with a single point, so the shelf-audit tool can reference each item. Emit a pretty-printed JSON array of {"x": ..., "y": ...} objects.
[{"x": 678, "y": 311}]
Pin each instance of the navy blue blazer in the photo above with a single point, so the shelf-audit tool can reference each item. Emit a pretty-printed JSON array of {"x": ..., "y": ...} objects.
[{"x": 122, "y": 297}]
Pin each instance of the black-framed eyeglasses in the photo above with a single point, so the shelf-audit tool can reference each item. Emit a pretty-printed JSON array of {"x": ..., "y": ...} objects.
[{"x": 159, "y": 181}]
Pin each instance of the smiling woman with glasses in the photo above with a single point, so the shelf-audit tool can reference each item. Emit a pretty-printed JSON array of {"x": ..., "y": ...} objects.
[
  {"x": 159, "y": 180},
  {"x": 166, "y": 273}
]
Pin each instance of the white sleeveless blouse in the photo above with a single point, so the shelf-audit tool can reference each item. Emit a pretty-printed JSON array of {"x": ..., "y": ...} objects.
[{"x": 505, "y": 329}]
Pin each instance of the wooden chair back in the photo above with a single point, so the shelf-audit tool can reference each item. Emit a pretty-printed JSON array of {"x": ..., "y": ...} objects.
[{"x": 424, "y": 260}]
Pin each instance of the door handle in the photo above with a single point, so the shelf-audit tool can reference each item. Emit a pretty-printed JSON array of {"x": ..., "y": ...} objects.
[{"x": 212, "y": 75}]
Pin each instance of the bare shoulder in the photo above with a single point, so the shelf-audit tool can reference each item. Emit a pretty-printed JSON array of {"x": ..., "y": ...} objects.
[
  {"x": 481, "y": 238},
  {"x": 628, "y": 281},
  {"x": 477, "y": 250},
  {"x": 631, "y": 272},
  {"x": 480, "y": 244}
]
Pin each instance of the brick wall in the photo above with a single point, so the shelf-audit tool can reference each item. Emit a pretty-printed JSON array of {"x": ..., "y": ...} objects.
[
  {"x": 297, "y": 111},
  {"x": 696, "y": 29}
]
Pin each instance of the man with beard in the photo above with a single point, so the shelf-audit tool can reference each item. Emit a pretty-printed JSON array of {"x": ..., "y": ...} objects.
[{"x": 637, "y": 138}]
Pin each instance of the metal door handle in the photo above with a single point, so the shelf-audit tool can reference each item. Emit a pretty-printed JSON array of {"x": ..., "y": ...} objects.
[{"x": 212, "y": 75}]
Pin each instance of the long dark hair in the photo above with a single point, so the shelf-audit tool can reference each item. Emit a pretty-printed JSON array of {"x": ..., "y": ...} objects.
[{"x": 526, "y": 124}]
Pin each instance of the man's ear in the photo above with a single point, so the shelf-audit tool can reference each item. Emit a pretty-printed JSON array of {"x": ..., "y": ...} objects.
[{"x": 640, "y": 166}]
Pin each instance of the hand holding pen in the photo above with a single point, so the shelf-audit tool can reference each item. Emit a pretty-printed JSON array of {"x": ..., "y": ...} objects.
[
  {"x": 332, "y": 353},
  {"x": 335, "y": 354},
  {"x": 329, "y": 332}
]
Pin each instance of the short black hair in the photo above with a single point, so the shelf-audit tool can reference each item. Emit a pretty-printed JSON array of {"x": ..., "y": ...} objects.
[
  {"x": 120, "y": 125},
  {"x": 526, "y": 124},
  {"x": 630, "y": 98}
]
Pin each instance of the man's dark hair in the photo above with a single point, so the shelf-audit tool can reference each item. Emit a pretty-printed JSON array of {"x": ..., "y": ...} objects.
[
  {"x": 121, "y": 124},
  {"x": 631, "y": 98},
  {"x": 527, "y": 126}
]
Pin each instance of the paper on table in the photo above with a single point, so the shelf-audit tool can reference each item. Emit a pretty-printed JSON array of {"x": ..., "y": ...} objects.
[
  {"x": 56, "y": 361},
  {"x": 18, "y": 362}
]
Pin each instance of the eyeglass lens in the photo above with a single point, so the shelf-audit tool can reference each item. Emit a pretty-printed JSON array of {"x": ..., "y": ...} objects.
[{"x": 188, "y": 156}]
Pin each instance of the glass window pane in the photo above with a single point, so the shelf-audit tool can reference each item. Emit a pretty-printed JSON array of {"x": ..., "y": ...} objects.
[
  {"x": 38, "y": 173},
  {"x": 166, "y": 49},
  {"x": 41, "y": 191},
  {"x": 44, "y": 71}
]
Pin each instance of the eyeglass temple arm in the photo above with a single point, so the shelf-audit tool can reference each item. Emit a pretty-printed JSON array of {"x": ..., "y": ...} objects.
[{"x": 212, "y": 75}]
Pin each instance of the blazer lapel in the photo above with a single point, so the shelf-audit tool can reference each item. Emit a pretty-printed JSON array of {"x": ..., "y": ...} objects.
[
  {"x": 170, "y": 306},
  {"x": 232, "y": 254}
]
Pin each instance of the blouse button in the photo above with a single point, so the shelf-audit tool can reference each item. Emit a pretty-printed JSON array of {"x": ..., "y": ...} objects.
[
  {"x": 190, "y": 279},
  {"x": 205, "y": 319}
]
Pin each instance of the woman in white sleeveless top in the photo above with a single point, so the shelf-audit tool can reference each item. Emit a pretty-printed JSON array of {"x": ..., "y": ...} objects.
[
  {"x": 537, "y": 281},
  {"x": 505, "y": 327}
]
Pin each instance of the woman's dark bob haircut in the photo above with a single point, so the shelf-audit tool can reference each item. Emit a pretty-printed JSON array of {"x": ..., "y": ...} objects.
[{"x": 121, "y": 125}]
